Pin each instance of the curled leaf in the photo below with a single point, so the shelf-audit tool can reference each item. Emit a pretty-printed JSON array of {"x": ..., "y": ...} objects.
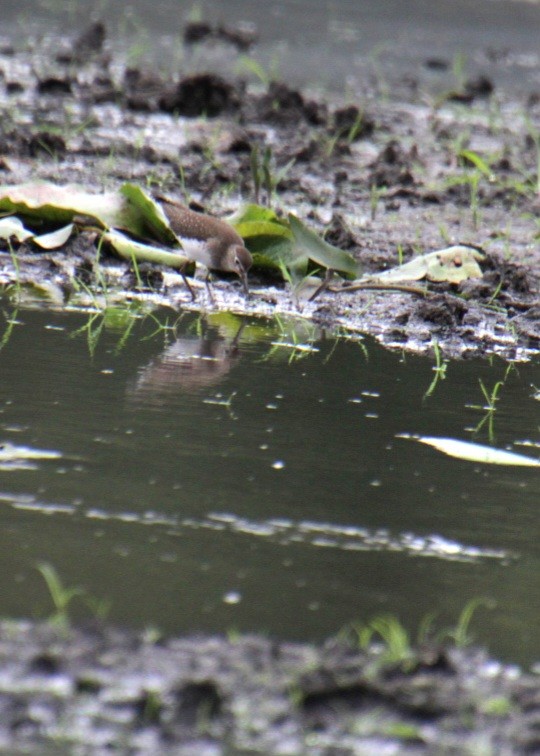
[
  {"x": 54, "y": 239},
  {"x": 150, "y": 214},
  {"x": 475, "y": 452},
  {"x": 13, "y": 228},
  {"x": 130, "y": 250},
  {"x": 453, "y": 264},
  {"x": 309, "y": 244}
]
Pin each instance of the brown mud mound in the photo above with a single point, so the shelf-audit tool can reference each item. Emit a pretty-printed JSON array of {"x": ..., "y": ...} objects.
[
  {"x": 384, "y": 178},
  {"x": 98, "y": 692}
]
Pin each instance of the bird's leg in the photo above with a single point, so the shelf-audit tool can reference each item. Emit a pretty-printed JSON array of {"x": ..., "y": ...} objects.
[
  {"x": 182, "y": 271},
  {"x": 207, "y": 281}
]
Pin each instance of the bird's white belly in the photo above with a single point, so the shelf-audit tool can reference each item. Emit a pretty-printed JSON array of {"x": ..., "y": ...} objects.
[{"x": 196, "y": 250}]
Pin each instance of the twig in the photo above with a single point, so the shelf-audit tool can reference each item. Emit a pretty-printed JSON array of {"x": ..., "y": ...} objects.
[{"x": 422, "y": 292}]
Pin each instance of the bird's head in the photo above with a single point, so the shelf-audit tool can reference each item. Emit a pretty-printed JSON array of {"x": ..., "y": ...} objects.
[{"x": 239, "y": 261}]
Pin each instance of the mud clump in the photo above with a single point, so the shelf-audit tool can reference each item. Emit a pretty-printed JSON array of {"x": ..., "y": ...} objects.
[
  {"x": 243, "y": 36},
  {"x": 202, "y": 94}
]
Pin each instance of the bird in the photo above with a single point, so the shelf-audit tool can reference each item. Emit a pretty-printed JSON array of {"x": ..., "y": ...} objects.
[{"x": 208, "y": 240}]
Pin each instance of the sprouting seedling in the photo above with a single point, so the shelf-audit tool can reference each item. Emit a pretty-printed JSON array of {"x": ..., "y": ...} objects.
[
  {"x": 93, "y": 329},
  {"x": 375, "y": 193},
  {"x": 288, "y": 339},
  {"x": 460, "y": 634},
  {"x": 388, "y": 629},
  {"x": 11, "y": 322},
  {"x": 16, "y": 268},
  {"x": 255, "y": 173},
  {"x": 264, "y": 173},
  {"x": 469, "y": 156},
  {"x": 489, "y": 408},
  {"x": 495, "y": 294},
  {"x": 458, "y": 69},
  {"x": 61, "y": 597},
  {"x": 125, "y": 334},
  {"x": 137, "y": 272},
  {"x": 100, "y": 278},
  {"x": 352, "y": 131},
  {"x": 445, "y": 236},
  {"x": 169, "y": 330},
  {"x": 481, "y": 170},
  {"x": 249, "y": 64},
  {"x": 396, "y": 640},
  {"x": 439, "y": 369},
  {"x": 491, "y": 397}
]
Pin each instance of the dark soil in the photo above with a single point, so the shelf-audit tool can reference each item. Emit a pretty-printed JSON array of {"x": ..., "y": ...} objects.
[
  {"x": 380, "y": 177},
  {"x": 99, "y": 692}
]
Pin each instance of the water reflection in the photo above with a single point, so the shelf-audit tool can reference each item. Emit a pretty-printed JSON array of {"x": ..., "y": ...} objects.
[{"x": 188, "y": 364}]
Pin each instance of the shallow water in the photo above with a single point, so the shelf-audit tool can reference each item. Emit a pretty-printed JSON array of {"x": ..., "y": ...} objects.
[
  {"x": 327, "y": 44},
  {"x": 212, "y": 477}
]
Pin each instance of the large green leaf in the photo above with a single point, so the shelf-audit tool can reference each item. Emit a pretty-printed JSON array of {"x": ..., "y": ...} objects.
[
  {"x": 268, "y": 237},
  {"x": 271, "y": 253},
  {"x": 150, "y": 213},
  {"x": 60, "y": 204},
  {"x": 252, "y": 229},
  {"x": 309, "y": 244},
  {"x": 252, "y": 213}
]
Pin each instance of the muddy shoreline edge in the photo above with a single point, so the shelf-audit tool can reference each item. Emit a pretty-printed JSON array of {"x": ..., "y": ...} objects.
[{"x": 382, "y": 177}]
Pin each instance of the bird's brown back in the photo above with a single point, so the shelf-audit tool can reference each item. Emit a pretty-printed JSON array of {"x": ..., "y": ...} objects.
[{"x": 192, "y": 225}]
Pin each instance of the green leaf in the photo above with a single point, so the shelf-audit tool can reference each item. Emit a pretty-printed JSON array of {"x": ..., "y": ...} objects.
[
  {"x": 475, "y": 452},
  {"x": 309, "y": 244},
  {"x": 251, "y": 229},
  {"x": 475, "y": 159},
  {"x": 129, "y": 249},
  {"x": 271, "y": 253},
  {"x": 149, "y": 213},
  {"x": 253, "y": 213}
]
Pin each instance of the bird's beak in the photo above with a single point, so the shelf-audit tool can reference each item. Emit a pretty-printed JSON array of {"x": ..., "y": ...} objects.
[{"x": 244, "y": 279}]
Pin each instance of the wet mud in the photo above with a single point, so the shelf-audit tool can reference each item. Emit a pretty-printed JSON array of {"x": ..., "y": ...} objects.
[
  {"x": 386, "y": 174},
  {"x": 96, "y": 691}
]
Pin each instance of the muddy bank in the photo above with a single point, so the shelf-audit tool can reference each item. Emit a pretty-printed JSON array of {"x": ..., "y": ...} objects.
[
  {"x": 76, "y": 691},
  {"x": 382, "y": 177}
]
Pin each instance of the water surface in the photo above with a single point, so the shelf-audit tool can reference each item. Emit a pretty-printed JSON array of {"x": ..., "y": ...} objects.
[
  {"x": 219, "y": 475},
  {"x": 343, "y": 45}
]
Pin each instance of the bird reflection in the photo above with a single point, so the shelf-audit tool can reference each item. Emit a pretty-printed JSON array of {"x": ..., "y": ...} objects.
[{"x": 188, "y": 364}]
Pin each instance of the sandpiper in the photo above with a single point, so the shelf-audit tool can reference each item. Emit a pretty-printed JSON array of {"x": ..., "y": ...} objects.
[{"x": 208, "y": 240}]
